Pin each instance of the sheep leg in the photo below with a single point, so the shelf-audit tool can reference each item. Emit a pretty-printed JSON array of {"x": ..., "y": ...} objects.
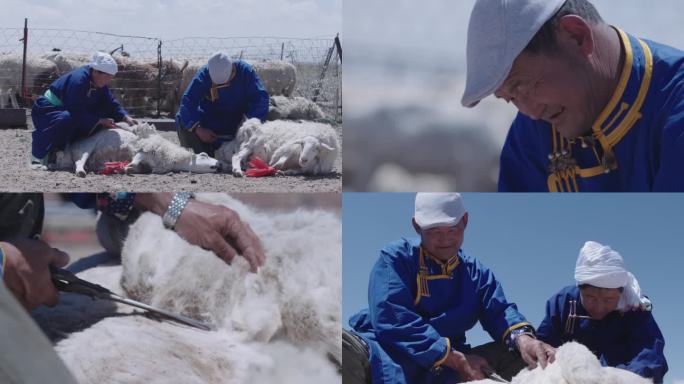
[
  {"x": 237, "y": 160},
  {"x": 134, "y": 165},
  {"x": 13, "y": 99},
  {"x": 80, "y": 164}
]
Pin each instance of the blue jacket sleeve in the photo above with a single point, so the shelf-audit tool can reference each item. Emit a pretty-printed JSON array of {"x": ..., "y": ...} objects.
[
  {"x": 76, "y": 89},
  {"x": 550, "y": 329},
  {"x": 522, "y": 167},
  {"x": 498, "y": 317},
  {"x": 670, "y": 175},
  {"x": 394, "y": 316},
  {"x": 199, "y": 85},
  {"x": 258, "y": 98},
  {"x": 646, "y": 345}
]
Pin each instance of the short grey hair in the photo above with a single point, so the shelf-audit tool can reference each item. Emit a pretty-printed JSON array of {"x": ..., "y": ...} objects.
[{"x": 544, "y": 41}]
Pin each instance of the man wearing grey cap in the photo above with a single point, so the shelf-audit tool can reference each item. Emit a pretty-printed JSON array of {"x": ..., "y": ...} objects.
[
  {"x": 599, "y": 109},
  {"x": 220, "y": 96},
  {"x": 424, "y": 294}
]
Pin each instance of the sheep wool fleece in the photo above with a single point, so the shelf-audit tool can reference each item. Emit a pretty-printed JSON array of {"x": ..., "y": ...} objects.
[
  {"x": 630, "y": 341},
  {"x": 221, "y": 108},
  {"x": 420, "y": 308},
  {"x": 72, "y": 112}
]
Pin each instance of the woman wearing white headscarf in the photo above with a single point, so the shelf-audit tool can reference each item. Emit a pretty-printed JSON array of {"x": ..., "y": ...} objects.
[
  {"x": 606, "y": 311},
  {"x": 75, "y": 106}
]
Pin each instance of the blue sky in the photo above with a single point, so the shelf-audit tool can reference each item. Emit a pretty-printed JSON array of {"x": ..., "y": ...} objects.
[
  {"x": 531, "y": 242},
  {"x": 178, "y": 18}
]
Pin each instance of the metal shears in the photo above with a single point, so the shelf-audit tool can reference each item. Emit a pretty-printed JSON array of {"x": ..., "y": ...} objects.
[{"x": 66, "y": 281}]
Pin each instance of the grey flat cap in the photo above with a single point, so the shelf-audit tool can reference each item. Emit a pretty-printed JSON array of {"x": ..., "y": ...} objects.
[{"x": 497, "y": 33}]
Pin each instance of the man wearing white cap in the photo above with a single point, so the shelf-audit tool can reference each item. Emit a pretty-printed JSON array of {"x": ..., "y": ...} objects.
[
  {"x": 221, "y": 95},
  {"x": 424, "y": 294},
  {"x": 74, "y": 107},
  {"x": 606, "y": 311},
  {"x": 599, "y": 109}
]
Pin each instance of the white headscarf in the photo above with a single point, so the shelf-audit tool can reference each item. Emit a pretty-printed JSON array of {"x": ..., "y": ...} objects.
[
  {"x": 220, "y": 67},
  {"x": 104, "y": 62},
  {"x": 600, "y": 266}
]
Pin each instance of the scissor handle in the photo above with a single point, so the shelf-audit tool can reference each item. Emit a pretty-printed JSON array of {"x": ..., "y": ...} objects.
[{"x": 66, "y": 281}]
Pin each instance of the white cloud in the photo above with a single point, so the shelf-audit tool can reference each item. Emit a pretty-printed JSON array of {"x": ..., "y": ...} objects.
[{"x": 173, "y": 18}]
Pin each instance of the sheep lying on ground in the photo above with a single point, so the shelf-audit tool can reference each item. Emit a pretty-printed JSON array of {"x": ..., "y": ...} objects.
[
  {"x": 281, "y": 325},
  {"x": 289, "y": 146},
  {"x": 574, "y": 364},
  {"x": 147, "y": 152},
  {"x": 293, "y": 108}
]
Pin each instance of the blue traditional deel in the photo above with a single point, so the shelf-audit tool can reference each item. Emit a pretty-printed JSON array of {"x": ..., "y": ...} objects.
[
  {"x": 421, "y": 307},
  {"x": 221, "y": 107},
  {"x": 637, "y": 142},
  {"x": 70, "y": 110},
  {"x": 630, "y": 340}
]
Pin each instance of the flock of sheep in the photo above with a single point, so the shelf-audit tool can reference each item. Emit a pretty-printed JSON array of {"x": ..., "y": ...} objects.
[{"x": 295, "y": 140}]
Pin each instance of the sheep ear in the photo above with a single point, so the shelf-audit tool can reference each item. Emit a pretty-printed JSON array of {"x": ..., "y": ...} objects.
[{"x": 326, "y": 146}]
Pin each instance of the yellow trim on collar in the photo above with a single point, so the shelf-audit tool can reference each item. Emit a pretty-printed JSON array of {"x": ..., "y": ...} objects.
[
  {"x": 443, "y": 359},
  {"x": 513, "y": 328},
  {"x": 424, "y": 275}
]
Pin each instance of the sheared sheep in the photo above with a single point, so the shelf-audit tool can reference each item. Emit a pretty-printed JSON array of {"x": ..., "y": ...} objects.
[
  {"x": 147, "y": 152},
  {"x": 574, "y": 364},
  {"x": 293, "y": 108},
  {"x": 302, "y": 147},
  {"x": 279, "y": 77},
  {"x": 282, "y": 324}
]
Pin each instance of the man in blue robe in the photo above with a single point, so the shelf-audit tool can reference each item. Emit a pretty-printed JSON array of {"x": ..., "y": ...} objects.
[
  {"x": 423, "y": 295},
  {"x": 222, "y": 94},
  {"x": 606, "y": 312},
  {"x": 599, "y": 109},
  {"x": 75, "y": 106}
]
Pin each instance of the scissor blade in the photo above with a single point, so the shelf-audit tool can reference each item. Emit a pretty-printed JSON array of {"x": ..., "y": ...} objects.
[
  {"x": 494, "y": 376},
  {"x": 174, "y": 316}
]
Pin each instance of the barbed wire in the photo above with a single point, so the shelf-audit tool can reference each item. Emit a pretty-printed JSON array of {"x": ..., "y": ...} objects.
[{"x": 149, "y": 78}]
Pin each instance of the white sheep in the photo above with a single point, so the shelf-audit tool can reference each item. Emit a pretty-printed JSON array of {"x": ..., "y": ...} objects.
[
  {"x": 141, "y": 145},
  {"x": 40, "y": 73},
  {"x": 292, "y": 147},
  {"x": 293, "y": 108},
  {"x": 574, "y": 364},
  {"x": 282, "y": 324},
  {"x": 279, "y": 77}
]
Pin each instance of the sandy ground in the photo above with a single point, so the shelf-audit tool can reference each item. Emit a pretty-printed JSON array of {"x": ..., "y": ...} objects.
[{"x": 16, "y": 176}]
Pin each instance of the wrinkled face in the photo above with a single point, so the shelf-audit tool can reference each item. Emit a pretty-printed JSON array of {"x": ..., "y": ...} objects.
[
  {"x": 555, "y": 88},
  {"x": 100, "y": 79},
  {"x": 203, "y": 163},
  {"x": 310, "y": 149},
  {"x": 443, "y": 242},
  {"x": 599, "y": 302}
]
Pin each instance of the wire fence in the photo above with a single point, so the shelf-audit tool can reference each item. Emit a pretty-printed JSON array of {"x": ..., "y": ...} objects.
[{"x": 153, "y": 73}]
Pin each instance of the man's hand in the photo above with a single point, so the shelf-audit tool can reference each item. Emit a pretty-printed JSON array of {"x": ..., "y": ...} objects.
[
  {"x": 205, "y": 135},
  {"x": 469, "y": 367},
  {"x": 130, "y": 121},
  {"x": 534, "y": 351},
  {"x": 211, "y": 227},
  {"x": 27, "y": 272},
  {"x": 106, "y": 122}
]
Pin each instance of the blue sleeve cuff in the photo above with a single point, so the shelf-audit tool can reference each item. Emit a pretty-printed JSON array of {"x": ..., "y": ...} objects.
[{"x": 118, "y": 204}]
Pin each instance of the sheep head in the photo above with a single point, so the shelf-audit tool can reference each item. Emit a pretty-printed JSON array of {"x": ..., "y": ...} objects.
[
  {"x": 203, "y": 163},
  {"x": 311, "y": 148}
]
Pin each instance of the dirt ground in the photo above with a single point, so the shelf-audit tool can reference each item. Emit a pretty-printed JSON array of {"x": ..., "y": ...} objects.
[{"x": 16, "y": 176}]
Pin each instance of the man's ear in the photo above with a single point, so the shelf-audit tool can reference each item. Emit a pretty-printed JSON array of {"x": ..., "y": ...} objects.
[
  {"x": 575, "y": 33},
  {"x": 465, "y": 220},
  {"x": 416, "y": 226}
]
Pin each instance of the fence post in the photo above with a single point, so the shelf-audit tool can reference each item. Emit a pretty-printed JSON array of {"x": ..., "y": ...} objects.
[
  {"x": 282, "y": 50},
  {"x": 338, "y": 45},
  {"x": 319, "y": 84},
  {"x": 24, "y": 91},
  {"x": 159, "y": 78}
]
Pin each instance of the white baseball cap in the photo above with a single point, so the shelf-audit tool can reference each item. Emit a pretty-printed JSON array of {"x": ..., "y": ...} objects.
[
  {"x": 438, "y": 209},
  {"x": 498, "y": 32},
  {"x": 220, "y": 67},
  {"x": 104, "y": 62}
]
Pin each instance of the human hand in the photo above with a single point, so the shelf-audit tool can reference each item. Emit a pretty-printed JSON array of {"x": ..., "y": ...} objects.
[
  {"x": 27, "y": 272},
  {"x": 534, "y": 351},
  {"x": 469, "y": 367},
  {"x": 130, "y": 121},
  {"x": 205, "y": 135},
  {"x": 106, "y": 122}
]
